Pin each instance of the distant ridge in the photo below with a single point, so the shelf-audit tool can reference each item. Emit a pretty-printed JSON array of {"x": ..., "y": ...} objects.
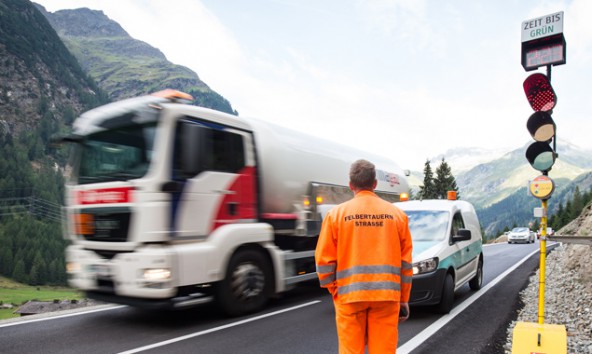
[
  {"x": 123, "y": 66},
  {"x": 496, "y": 181}
]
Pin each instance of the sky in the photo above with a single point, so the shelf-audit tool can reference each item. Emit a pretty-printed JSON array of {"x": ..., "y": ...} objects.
[{"x": 406, "y": 79}]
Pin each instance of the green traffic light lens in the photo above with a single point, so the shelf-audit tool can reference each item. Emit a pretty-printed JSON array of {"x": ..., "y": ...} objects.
[
  {"x": 540, "y": 156},
  {"x": 544, "y": 161}
]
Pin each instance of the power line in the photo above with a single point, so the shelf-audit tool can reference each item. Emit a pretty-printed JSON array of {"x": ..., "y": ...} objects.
[{"x": 36, "y": 206}]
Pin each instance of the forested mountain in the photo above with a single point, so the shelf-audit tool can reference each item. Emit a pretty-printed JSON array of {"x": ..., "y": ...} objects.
[
  {"x": 517, "y": 209},
  {"x": 490, "y": 182},
  {"x": 497, "y": 186},
  {"x": 42, "y": 89},
  {"x": 123, "y": 66}
]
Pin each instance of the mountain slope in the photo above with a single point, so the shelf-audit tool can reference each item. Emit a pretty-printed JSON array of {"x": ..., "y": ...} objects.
[
  {"x": 123, "y": 66},
  {"x": 42, "y": 89},
  {"x": 496, "y": 182},
  {"x": 491, "y": 182},
  {"x": 40, "y": 78}
]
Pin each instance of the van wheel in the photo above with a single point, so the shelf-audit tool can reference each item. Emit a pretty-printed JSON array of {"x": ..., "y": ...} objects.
[
  {"x": 247, "y": 284},
  {"x": 447, "y": 297},
  {"x": 477, "y": 281}
]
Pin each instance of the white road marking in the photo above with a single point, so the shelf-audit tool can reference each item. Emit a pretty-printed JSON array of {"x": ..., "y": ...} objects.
[
  {"x": 51, "y": 316},
  {"x": 422, "y": 336},
  {"x": 215, "y": 329}
]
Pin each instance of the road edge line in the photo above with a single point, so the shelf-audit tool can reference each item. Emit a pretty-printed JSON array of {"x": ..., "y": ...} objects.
[
  {"x": 422, "y": 336},
  {"x": 78, "y": 312}
]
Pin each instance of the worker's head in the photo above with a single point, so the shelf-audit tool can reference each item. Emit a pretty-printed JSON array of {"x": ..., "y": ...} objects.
[{"x": 362, "y": 176}]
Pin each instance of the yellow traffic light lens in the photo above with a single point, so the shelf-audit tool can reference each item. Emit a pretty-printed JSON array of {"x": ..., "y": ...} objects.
[{"x": 541, "y": 126}]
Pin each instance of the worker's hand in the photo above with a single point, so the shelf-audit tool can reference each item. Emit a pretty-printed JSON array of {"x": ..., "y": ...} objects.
[
  {"x": 333, "y": 291},
  {"x": 404, "y": 311}
]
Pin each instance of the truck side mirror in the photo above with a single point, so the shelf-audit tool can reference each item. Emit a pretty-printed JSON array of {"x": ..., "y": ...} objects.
[{"x": 462, "y": 235}]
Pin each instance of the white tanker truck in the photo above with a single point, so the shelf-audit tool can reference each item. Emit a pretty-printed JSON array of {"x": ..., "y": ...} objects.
[{"x": 172, "y": 205}]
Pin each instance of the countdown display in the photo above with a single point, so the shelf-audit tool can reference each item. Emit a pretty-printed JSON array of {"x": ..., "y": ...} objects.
[
  {"x": 548, "y": 51},
  {"x": 553, "y": 54},
  {"x": 543, "y": 43}
]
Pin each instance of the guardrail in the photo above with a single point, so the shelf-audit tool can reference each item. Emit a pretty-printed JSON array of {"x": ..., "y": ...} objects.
[{"x": 581, "y": 240}]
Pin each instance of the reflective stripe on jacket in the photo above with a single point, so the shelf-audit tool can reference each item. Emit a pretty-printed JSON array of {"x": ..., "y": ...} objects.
[{"x": 364, "y": 251}]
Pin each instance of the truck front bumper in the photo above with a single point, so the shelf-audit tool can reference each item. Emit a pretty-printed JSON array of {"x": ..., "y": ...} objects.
[{"x": 145, "y": 274}]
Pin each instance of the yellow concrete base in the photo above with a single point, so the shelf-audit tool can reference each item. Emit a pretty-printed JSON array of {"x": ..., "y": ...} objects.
[{"x": 534, "y": 338}]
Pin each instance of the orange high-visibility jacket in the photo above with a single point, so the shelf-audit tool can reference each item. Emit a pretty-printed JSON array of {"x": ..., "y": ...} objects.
[{"x": 364, "y": 251}]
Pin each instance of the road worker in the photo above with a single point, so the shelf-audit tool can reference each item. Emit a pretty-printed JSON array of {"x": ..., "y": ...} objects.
[{"x": 363, "y": 257}]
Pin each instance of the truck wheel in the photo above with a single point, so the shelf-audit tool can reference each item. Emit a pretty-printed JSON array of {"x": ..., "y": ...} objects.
[
  {"x": 477, "y": 281},
  {"x": 447, "y": 297},
  {"x": 247, "y": 284}
]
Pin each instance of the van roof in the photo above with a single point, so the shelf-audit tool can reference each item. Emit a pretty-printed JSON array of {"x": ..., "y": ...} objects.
[{"x": 435, "y": 204}]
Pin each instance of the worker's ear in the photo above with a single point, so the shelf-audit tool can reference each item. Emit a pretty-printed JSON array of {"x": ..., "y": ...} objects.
[
  {"x": 375, "y": 184},
  {"x": 351, "y": 186}
]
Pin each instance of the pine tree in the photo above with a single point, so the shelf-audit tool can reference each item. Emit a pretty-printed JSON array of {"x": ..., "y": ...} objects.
[
  {"x": 38, "y": 274},
  {"x": 19, "y": 272},
  {"x": 427, "y": 191},
  {"x": 444, "y": 181},
  {"x": 578, "y": 203}
]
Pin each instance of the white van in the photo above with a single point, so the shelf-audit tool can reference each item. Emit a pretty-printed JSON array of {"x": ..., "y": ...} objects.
[{"x": 447, "y": 250}]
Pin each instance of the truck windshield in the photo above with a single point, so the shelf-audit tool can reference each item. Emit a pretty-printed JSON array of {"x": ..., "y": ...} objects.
[
  {"x": 114, "y": 155},
  {"x": 428, "y": 225}
]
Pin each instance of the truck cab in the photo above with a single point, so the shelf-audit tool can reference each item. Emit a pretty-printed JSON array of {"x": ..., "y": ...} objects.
[{"x": 447, "y": 250}]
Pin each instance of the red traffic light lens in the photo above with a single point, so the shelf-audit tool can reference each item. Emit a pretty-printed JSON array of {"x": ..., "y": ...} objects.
[{"x": 539, "y": 92}]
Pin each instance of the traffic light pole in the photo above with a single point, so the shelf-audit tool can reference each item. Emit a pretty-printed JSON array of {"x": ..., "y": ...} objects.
[
  {"x": 543, "y": 241},
  {"x": 540, "y": 337},
  {"x": 549, "y": 72},
  {"x": 543, "y": 259}
]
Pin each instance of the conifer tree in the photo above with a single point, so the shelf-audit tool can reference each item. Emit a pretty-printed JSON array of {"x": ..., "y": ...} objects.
[
  {"x": 427, "y": 191},
  {"x": 578, "y": 203},
  {"x": 444, "y": 181}
]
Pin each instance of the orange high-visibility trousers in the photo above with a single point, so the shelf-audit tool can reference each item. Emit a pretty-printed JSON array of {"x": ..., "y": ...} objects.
[{"x": 371, "y": 322}]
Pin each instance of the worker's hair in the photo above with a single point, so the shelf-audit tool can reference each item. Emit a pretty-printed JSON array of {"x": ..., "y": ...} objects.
[{"x": 362, "y": 174}]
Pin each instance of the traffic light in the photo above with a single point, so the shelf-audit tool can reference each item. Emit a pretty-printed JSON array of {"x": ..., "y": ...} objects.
[{"x": 540, "y": 125}]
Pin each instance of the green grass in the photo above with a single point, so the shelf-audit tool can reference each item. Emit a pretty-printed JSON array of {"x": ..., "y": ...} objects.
[{"x": 17, "y": 294}]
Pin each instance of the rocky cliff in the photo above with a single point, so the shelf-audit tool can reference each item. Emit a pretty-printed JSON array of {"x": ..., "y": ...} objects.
[{"x": 124, "y": 66}]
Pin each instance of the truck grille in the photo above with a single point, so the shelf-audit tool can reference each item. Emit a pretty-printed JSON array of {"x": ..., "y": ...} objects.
[{"x": 109, "y": 225}]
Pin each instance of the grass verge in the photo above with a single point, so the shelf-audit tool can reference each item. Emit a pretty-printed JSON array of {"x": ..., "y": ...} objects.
[{"x": 15, "y": 293}]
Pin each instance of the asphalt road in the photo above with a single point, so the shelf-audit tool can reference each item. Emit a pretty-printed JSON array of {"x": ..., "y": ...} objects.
[{"x": 300, "y": 321}]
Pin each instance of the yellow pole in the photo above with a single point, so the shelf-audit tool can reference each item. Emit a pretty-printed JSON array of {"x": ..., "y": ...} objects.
[{"x": 542, "y": 264}]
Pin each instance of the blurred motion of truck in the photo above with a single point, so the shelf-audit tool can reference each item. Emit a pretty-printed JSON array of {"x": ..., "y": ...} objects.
[{"x": 170, "y": 205}]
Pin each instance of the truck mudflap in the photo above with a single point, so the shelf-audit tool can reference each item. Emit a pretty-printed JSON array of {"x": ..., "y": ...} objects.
[{"x": 175, "y": 303}]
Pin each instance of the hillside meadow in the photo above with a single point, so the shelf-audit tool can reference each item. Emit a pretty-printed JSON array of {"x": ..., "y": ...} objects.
[{"x": 17, "y": 294}]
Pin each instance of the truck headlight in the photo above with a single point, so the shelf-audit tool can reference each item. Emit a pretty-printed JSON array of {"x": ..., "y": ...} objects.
[
  {"x": 426, "y": 266},
  {"x": 157, "y": 274}
]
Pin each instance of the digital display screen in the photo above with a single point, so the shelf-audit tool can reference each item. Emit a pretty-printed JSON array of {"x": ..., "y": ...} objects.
[
  {"x": 552, "y": 54},
  {"x": 543, "y": 52}
]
